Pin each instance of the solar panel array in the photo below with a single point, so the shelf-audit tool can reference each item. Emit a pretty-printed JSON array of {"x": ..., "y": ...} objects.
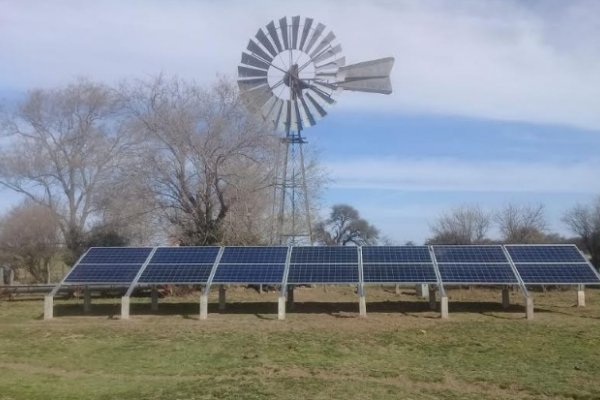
[
  {"x": 551, "y": 264},
  {"x": 397, "y": 264},
  {"x": 487, "y": 264},
  {"x": 108, "y": 265}
]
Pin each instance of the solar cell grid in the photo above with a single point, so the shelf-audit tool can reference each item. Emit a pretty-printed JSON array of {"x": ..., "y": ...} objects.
[
  {"x": 324, "y": 255},
  {"x": 562, "y": 273},
  {"x": 185, "y": 255},
  {"x": 176, "y": 273},
  {"x": 103, "y": 273},
  {"x": 321, "y": 273},
  {"x": 396, "y": 254},
  {"x": 477, "y": 273},
  {"x": 249, "y": 273},
  {"x": 113, "y": 255},
  {"x": 398, "y": 273},
  {"x": 245, "y": 255},
  {"x": 545, "y": 254},
  {"x": 465, "y": 254}
]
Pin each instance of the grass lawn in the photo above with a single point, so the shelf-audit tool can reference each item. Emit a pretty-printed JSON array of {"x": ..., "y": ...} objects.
[{"x": 322, "y": 350}]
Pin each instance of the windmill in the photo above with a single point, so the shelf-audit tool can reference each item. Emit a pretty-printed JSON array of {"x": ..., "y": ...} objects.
[{"x": 289, "y": 75}]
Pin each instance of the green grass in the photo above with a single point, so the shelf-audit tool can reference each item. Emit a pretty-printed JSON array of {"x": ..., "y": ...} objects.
[{"x": 321, "y": 351}]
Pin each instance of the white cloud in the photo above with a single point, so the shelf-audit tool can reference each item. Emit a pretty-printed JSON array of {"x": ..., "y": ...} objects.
[
  {"x": 447, "y": 175},
  {"x": 492, "y": 59}
]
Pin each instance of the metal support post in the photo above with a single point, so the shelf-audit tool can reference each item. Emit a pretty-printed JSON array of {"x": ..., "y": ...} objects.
[
  {"x": 505, "y": 298},
  {"x": 222, "y": 294},
  {"x": 422, "y": 291},
  {"x": 203, "y": 306},
  {"x": 362, "y": 301},
  {"x": 154, "y": 299}
]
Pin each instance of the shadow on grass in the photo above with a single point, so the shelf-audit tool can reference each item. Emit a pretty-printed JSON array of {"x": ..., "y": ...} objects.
[{"x": 268, "y": 310}]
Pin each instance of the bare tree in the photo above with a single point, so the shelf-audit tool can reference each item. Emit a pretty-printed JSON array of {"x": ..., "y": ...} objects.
[
  {"x": 461, "y": 225},
  {"x": 203, "y": 154},
  {"x": 65, "y": 144},
  {"x": 29, "y": 238},
  {"x": 522, "y": 224},
  {"x": 584, "y": 221},
  {"x": 345, "y": 226}
]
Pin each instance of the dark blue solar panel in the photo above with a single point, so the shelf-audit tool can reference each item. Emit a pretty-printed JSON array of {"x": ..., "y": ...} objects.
[
  {"x": 396, "y": 254},
  {"x": 103, "y": 273},
  {"x": 320, "y": 273},
  {"x": 185, "y": 255},
  {"x": 545, "y": 254},
  {"x": 466, "y": 254},
  {"x": 249, "y": 273},
  {"x": 116, "y": 255},
  {"x": 176, "y": 273},
  {"x": 324, "y": 255},
  {"x": 254, "y": 255},
  {"x": 563, "y": 273},
  {"x": 477, "y": 273},
  {"x": 398, "y": 273}
]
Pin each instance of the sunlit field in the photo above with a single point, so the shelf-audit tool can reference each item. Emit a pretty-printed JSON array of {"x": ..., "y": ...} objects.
[{"x": 322, "y": 350}]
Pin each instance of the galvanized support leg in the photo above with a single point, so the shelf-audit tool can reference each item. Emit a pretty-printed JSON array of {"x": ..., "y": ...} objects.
[
  {"x": 87, "y": 300},
  {"x": 203, "y": 306},
  {"x": 154, "y": 299},
  {"x": 222, "y": 295},
  {"x": 580, "y": 296},
  {"x": 529, "y": 307},
  {"x": 48, "y": 307},
  {"x": 505, "y": 298},
  {"x": 125, "y": 307},
  {"x": 432, "y": 298},
  {"x": 362, "y": 301},
  {"x": 444, "y": 307}
]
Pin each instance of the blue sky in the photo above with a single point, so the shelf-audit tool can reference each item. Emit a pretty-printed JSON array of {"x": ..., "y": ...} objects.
[{"x": 494, "y": 101}]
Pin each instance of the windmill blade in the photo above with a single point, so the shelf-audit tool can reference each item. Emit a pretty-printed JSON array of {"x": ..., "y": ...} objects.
[
  {"x": 305, "y": 31},
  {"x": 262, "y": 38},
  {"x": 327, "y": 98},
  {"x": 379, "y": 68},
  {"x": 295, "y": 28},
  {"x": 273, "y": 33},
  {"x": 253, "y": 61},
  {"x": 284, "y": 32},
  {"x": 252, "y": 84},
  {"x": 327, "y": 85},
  {"x": 320, "y": 28},
  {"x": 324, "y": 43},
  {"x": 369, "y": 85},
  {"x": 269, "y": 108},
  {"x": 327, "y": 54},
  {"x": 246, "y": 72},
  {"x": 340, "y": 62},
  {"x": 326, "y": 75},
  {"x": 316, "y": 105},
  {"x": 279, "y": 112},
  {"x": 255, "y": 48},
  {"x": 311, "y": 119}
]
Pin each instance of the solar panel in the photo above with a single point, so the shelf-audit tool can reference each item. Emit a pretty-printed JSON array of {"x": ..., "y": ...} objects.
[
  {"x": 552, "y": 264},
  {"x": 187, "y": 265},
  {"x": 397, "y": 264},
  {"x": 108, "y": 265},
  {"x": 485, "y": 265},
  {"x": 252, "y": 265},
  {"x": 320, "y": 264}
]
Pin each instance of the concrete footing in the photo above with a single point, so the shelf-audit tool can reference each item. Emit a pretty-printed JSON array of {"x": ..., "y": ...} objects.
[
  {"x": 422, "y": 291},
  {"x": 125, "y": 307},
  {"x": 362, "y": 306},
  {"x": 87, "y": 300},
  {"x": 444, "y": 307},
  {"x": 203, "y": 306},
  {"x": 222, "y": 297},
  {"x": 48, "y": 307},
  {"x": 529, "y": 307},
  {"x": 432, "y": 298},
  {"x": 281, "y": 308},
  {"x": 580, "y": 298},
  {"x": 154, "y": 299},
  {"x": 505, "y": 298}
]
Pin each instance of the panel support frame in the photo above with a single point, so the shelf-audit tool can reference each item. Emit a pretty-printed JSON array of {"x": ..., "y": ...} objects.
[
  {"x": 204, "y": 293},
  {"x": 125, "y": 300}
]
